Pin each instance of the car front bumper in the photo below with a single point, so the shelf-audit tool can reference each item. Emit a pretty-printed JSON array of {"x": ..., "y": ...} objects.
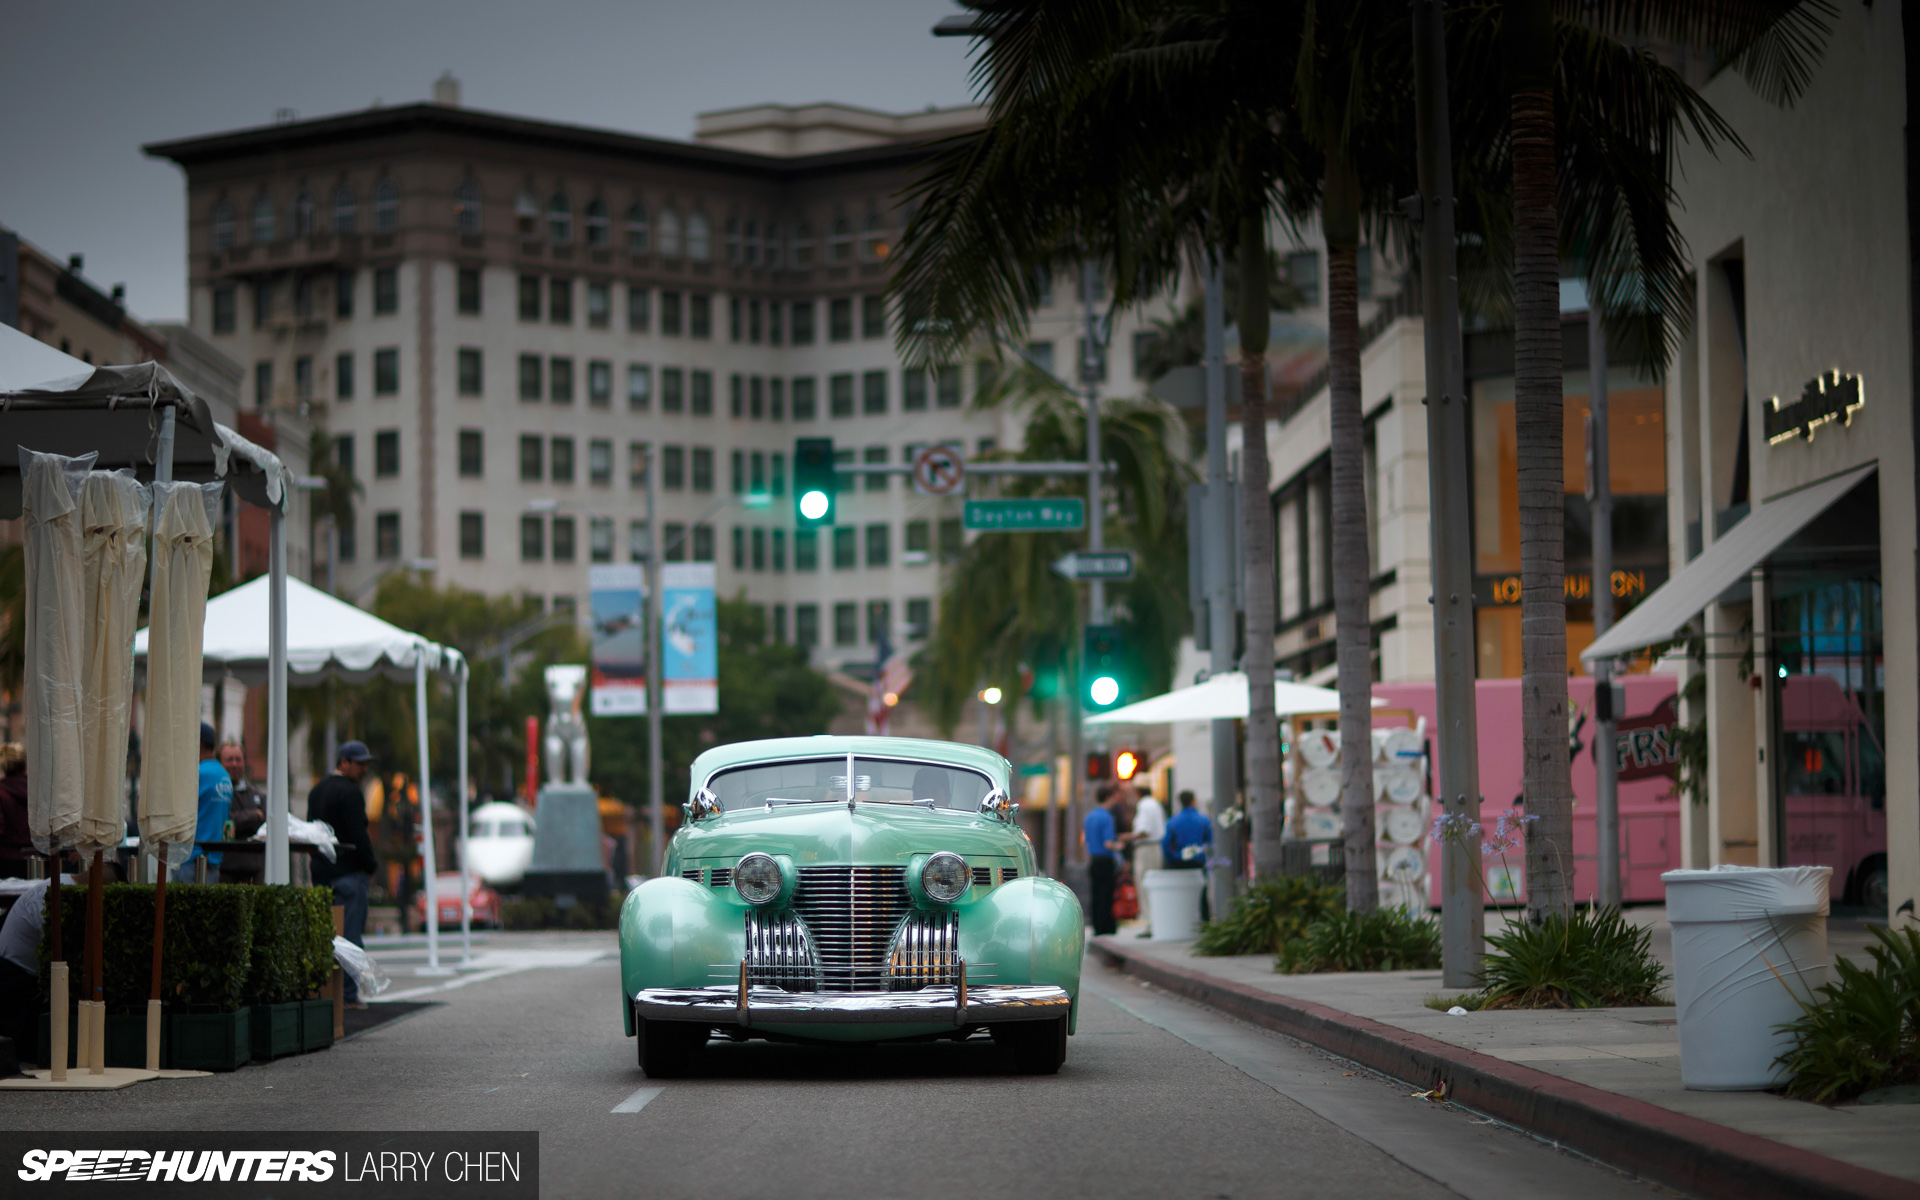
[{"x": 747, "y": 1006}]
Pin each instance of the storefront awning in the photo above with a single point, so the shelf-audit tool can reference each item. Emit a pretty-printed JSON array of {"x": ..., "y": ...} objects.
[{"x": 1660, "y": 616}]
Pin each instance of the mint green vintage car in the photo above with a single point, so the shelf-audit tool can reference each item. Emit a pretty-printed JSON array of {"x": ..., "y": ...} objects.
[{"x": 850, "y": 889}]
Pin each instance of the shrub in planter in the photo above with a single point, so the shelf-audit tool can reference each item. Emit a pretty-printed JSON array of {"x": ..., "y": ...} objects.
[
  {"x": 1864, "y": 1032},
  {"x": 316, "y": 947},
  {"x": 1594, "y": 959},
  {"x": 1272, "y": 913},
  {"x": 1385, "y": 939},
  {"x": 208, "y": 952},
  {"x": 276, "y": 967},
  {"x": 212, "y": 1041}
]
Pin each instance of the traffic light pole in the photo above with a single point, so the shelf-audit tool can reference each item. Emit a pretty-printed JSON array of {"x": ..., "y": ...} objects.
[
  {"x": 1221, "y": 631},
  {"x": 1089, "y": 376}
]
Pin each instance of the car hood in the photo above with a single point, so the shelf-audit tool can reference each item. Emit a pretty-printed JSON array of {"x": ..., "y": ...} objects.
[{"x": 830, "y": 835}]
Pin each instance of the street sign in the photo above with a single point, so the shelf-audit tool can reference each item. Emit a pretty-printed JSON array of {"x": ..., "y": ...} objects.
[
  {"x": 1003, "y": 516},
  {"x": 1095, "y": 564},
  {"x": 938, "y": 471}
]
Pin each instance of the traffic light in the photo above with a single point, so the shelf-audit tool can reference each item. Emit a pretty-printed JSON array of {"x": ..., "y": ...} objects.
[
  {"x": 1127, "y": 764},
  {"x": 1097, "y": 766},
  {"x": 1103, "y": 671},
  {"x": 813, "y": 482}
]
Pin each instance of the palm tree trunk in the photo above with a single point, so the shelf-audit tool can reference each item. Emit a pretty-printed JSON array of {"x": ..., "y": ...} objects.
[
  {"x": 1263, "y": 733},
  {"x": 1545, "y": 780},
  {"x": 1340, "y": 218}
]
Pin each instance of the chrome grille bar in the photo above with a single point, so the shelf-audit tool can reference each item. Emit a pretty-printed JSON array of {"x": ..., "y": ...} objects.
[
  {"x": 780, "y": 953},
  {"x": 924, "y": 951},
  {"x": 850, "y": 914}
]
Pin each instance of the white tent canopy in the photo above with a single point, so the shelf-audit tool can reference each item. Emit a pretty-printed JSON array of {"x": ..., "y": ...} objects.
[
  {"x": 326, "y": 639},
  {"x": 1221, "y": 698}
]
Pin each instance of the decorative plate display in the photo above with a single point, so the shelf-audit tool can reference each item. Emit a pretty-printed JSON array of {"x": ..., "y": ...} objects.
[
  {"x": 1401, "y": 896},
  {"x": 1403, "y": 784},
  {"x": 1401, "y": 744},
  {"x": 1322, "y": 823},
  {"x": 1402, "y": 826},
  {"x": 1403, "y": 862},
  {"x": 1321, "y": 786},
  {"x": 1320, "y": 747}
]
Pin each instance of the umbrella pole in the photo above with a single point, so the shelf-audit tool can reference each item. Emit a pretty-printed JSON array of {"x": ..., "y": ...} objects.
[
  {"x": 428, "y": 867},
  {"x": 278, "y": 869},
  {"x": 159, "y": 935},
  {"x": 57, "y": 973},
  {"x": 96, "y": 968},
  {"x": 466, "y": 888}
]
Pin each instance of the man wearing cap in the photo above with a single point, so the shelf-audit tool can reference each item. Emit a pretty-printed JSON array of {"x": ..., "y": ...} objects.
[
  {"x": 216, "y": 801},
  {"x": 339, "y": 802}
]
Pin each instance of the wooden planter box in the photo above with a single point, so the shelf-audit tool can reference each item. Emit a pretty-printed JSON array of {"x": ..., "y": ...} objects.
[
  {"x": 316, "y": 1024},
  {"x": 216, "y": 1041},
  {"x": 126, "y": 1040},
  {"x": 275, "y": 1030}
]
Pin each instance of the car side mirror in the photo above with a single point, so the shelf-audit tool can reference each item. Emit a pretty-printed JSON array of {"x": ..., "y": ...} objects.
[
  {"x": 998, "y": 804},
  {"x": 704, "y": 804}
]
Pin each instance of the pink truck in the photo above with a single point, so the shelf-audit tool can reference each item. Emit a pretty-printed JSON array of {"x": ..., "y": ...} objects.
[{"x": 1834, "y": 787}]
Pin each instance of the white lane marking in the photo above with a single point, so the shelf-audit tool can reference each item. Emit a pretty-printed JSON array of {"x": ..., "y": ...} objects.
[
  {"x": 639, "y": 1100},
  {"x": 507, "y": 962},
  {"x": 451, "y": 984}
]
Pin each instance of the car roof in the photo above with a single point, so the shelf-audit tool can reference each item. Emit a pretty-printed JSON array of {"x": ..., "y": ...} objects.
[{"x": 959, "y": 754}]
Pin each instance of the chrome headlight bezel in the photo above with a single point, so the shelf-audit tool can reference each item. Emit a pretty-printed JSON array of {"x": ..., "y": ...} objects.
[
  {"x": 953, "y": 876},
  {"x": 752, "y": 881}
]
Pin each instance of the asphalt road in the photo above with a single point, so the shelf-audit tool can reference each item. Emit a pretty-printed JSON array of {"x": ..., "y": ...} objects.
[{"x": 1159, "y": 1098}]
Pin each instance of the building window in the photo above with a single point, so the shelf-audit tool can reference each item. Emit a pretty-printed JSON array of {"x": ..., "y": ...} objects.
[
  {"x": 774, "y": 244},
  {"x": 223, "y": 226},
  {"x": 846, "y": 551},
  {"x": 806, "y": 550},
  {"x": 919, "y": 619},
  {"x": 776, "y": 399},
  {"x": 386, "y": 291},
  {"x": 224, "y": 319},
  {"x": 952, "y": 538},
  {"x": 702, "y": 400},
  {"x": 779, "y": 610},
  {"x": 346, "y": 543},
  {"x": 669, "y": 234},
  {"x": 733, "y": 318},
  {"x": 673, "y": 538},
  {"x": 560, "y": 301},
  {"x": 303, "y": 298},
  {"x": 466, "y": 206},
  {"x": 600, "y": 462},
  {"x": 702, "y": 469},
  {"x": 531, "y": 387},
  {"x": 879, "y": 545},
  {"x": 533, "y": 458},
  {"x": 802, "y": 244},
  {"x": 774, "y": 309},
  {"x": 343, "y": 282},
  {"x": 913, "y": 390},
  {"x": 303, "y": 377},
  {"x": 840, "y": 241},
  {"x": 873, "y": 393},
  {"x": 873, "y": 317},
  {"x": 386, "y": 372},
  {"x": 1092, "y": 369},
  {"x": 343, "y": 453},
  {"x": 263, "y": 383},
  {"x": 533, "y": 539},
  {"x": 386, "y": 205},
  {"x": 346, "y": 209},
  {"x": 753, "y": 321},
  {"x": 600, "y": 540},
  {"x": 873, "y": 239},
  {"x": 639, "y": 310},
  {"x": 739, "y": 471},
  {"x": 803, "y": 322},
  {"x": 386, "y": 535},
  {"x": 699, "y": 241},
  {"x": 529, "y": 297},
  {"x": 806, "y": 625},
  {"x": 472, "y": 454},
  {"x": 597, "y": 231},
  {"x": 779, "y": 474},
  {"x": 670, "y": 313},
  {"x": 703, "y": 543},
  {"x": 560, "y": 380},
  {"x": 846, "y": 624},
  {"x": 840, "y": 395},
  {"x": 756, "y": 397},
  {"x": 673, "y": 467},
  {"x": 262, "y": 303},
  {"x": 845, "y": 481},
  {"x": 948, "y": 391},
  {"x": 803, "y": 402},
  {"x": 739, "y": 548},
  {"x": 700, "y": 315},
  {"x": 736, "y": 396},
  {"x": 560, "y": 460},
  {"x": 876, "y": 482},
  {"x": 469, "y": 297},
  {"x": 473, "y": 535},
  {"x": 879, "y": 620},
  {"x": 759, "y": 549},
  {"x": 840, "y": 319},
  {"x": 1303, "y": 272},
  {"x": 637, "y": 227},
  {"x": 637, "y": 544},
  {"x": 636, "y": 464},
  {"x": 639, "y": 387},
  {"x": 673, "y": 389},
  {"x": 343, "y": 376},
  {"x": 599, "y": 305},
  {"x": 468, "y": 360},
  {"x": 560, "y": 221},
  {"x": 600, "y": 383},
  {"x": 733, "y": 241},
  {"x": 563, "y": 539},
  {"x": 779, "y": 549},
  {"x": 386, "y": 454},
  {"x": 263, "y": 220},
  {"x": 919, "y": 543}
]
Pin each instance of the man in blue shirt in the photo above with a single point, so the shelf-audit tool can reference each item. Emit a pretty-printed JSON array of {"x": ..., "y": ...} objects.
[
  {"x": 216, "y": 800},
  {"x": 1103, "y": 862},
  {"x": 1185, "y": 844}
]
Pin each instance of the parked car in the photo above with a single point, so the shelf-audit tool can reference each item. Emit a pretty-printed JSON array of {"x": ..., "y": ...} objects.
[
  {"x": 849, "y": 889},
  {"x": 486, "y": 901}
]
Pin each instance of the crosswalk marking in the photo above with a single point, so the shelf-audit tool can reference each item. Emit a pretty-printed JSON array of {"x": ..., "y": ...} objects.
[{"x": 639, "y": 1100}]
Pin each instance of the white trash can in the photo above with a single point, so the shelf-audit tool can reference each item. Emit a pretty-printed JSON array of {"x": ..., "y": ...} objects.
[
  {"x": 1173, "y": 904},
  {"x": 1749, "y": 943}
]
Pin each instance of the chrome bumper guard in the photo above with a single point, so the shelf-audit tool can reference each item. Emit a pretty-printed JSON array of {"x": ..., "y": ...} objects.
[{"x": 958, "y": 1005}]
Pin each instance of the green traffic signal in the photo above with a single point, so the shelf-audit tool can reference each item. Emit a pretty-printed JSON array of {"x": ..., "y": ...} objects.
[
  {"x": 813, "y": 482},
  {"x": 1103, "y": 668}
]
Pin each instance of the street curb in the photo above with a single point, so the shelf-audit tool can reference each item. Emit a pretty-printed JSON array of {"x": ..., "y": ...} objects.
[{"x": 1686, "y": 1153}]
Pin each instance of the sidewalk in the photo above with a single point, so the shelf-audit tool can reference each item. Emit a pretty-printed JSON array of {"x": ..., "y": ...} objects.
[{"x": 1604, "y": 1082}]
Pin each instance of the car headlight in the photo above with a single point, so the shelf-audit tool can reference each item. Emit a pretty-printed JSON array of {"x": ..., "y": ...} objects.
[
  {"x": 945, "y": 877},
  {"x": 757, "y": 878}
]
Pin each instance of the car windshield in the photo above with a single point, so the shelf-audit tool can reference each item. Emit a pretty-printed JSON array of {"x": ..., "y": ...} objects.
[{"x": 875, "y": 781}]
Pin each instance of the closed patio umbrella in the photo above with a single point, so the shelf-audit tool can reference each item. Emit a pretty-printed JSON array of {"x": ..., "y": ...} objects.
[
  {"x": 56, "y": 645},
  {"x": 170, "y": 761},
  {"x": 113, "y": 526}
]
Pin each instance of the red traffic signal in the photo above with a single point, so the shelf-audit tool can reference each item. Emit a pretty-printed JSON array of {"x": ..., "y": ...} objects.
[
  {"x": 1127, "y": 764},
  {"x": 1097, "y": 767}
]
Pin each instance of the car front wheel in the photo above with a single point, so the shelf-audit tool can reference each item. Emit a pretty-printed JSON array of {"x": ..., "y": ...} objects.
[
  {"x": 669, "y": 1049},
  {"x": 1037, "y": 1047}
]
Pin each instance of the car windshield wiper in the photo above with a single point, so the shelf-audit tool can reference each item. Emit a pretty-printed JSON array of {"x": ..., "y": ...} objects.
[{"x": 782, "y": 800}]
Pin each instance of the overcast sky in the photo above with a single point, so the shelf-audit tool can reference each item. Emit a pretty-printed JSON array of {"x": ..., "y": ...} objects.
[{"x": 84, "y": 83}]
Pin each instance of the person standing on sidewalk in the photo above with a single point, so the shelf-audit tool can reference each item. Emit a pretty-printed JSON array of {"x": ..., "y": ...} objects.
[
  {"x": 1103, "y": 858},
  {"x": 248, "y": 813},
  {"x": 216, "y": 801},
  {"x": 1185, "y": 844},
  {"x": 339, "y": 802},
  {"x": 1149, "y": 826}
]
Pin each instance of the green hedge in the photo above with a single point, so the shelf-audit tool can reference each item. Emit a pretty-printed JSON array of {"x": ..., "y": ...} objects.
[{"x": 227, "y": 945}]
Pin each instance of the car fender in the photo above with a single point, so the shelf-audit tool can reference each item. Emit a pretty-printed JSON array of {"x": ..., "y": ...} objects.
[
  {"x": 1026, "y": 931},
  {"x": 672, "y": 932}
]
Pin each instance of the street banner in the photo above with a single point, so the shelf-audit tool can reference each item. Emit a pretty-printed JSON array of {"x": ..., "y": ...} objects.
[
  {"x": 619, "y": 640},
  {"x": 690, "y": 649}
]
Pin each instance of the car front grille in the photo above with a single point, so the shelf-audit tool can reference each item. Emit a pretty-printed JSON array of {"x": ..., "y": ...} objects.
[
  {"x": 851, "y": 913},
  {"x": 692, "y": 873},
  {"x": 1009, "y": 874},
  {"x": 721, "y": 877},
  {"x": 983, "y": 877}
]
